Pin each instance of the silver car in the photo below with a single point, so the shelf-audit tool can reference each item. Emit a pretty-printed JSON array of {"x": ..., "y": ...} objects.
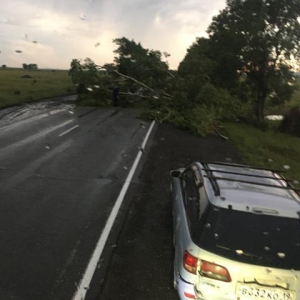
[{"x": 236, "y": 233}]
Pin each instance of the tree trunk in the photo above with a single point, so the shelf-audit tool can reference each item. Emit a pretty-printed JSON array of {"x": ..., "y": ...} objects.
[{"x": 261, "y": 100}]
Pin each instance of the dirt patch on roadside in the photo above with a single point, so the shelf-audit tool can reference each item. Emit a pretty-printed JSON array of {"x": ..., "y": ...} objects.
[{"x": 141, "y": 267}]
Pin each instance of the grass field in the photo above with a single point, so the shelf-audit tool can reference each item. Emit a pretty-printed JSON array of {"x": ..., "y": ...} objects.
[
  {"x": 270, "y": 149},
  {"x": 37, "y": 84}
]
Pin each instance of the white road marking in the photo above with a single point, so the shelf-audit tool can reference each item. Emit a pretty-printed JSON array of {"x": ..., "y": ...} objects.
[
  {"x": 67, "y": 131},
  {"x": 89, "y": 272}
]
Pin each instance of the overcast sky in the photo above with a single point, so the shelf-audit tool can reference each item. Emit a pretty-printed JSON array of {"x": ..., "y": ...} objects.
[{"x": 51, "y": 33}]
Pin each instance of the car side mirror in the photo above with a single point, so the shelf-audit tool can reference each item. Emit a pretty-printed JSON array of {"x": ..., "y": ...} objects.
[{"x": 175, "y": 174}]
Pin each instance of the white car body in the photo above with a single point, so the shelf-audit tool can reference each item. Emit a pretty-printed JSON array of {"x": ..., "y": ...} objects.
[{"x": 213, "y": 263}]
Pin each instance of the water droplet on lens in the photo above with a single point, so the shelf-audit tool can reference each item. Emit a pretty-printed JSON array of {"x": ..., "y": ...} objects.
[
  {"x": 71, "y": 112},
  {"x": 270, "y": 160},
  {"x": 125, "y": 168},
  {"x": 296, "y": 182},
  {"x": 89, "y": 89},
  {"x": 267, "y": 248},
  {"x": 239, "y": 252},
  {"x": 281, "y": 255},
  {"x": 207, "y": 225},
  {"x": 228, "y": 159},
  {"x": 47, "y": 146},
  {"x": 266, "y": 233},
  {"x": 287, "y": 167}
]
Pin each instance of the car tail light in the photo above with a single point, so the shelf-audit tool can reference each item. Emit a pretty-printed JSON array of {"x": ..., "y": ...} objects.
[
  {"x": 188, "y": 295},
  {"x": 190, "y": 262},
  {"x": 214, "y": 271}
]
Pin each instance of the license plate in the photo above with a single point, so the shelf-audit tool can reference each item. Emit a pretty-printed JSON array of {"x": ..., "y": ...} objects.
[{"x": 265, "y": 293}]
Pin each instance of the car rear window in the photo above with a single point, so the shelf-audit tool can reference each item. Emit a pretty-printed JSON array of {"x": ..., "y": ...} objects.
[{"x": 250, "y": 238}]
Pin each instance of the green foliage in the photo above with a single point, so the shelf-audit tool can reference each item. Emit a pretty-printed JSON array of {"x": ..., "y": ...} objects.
[
  {"x": 143, "y": 79},
  {"x": 259, "y": 38},
  {"x": 266, "y": 148},
  {"x": 83, "y": 73},
  {"x": 142, "y": 64}
]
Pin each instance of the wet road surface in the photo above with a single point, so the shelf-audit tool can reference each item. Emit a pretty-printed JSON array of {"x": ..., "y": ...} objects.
[{"x": 61, "y": 169}]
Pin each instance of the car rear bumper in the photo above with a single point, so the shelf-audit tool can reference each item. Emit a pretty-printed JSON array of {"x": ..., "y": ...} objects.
[{"x": 185, "y": 289}]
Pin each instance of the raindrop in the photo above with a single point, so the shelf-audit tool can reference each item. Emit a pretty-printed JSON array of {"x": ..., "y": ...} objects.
[
  {"x": 89, "y": 89},
  {"x": 296, "y": 182},
  {"x": 125, "y": 168},
  {"x": 216, "y": 235},
  {"x": 47, "y": 146},
  {"x": 96, "y": 86},
  {"x": 239, "y": 252},
  {"x": 287, "y": 167},
  {"x": 35, "y": 42},
  {"x": 18, "y": 51},
  {"x": 133, "y": 60},
  {"x": 270, "y": 160},
  {"x": 127, "y": 56},
  {"x": 207, "y": 225},
  {"x": 82, "y": 17},
  {"x": 71, "y": 112},
  {"x": 266, "y": 233},
  {"x": 267, "y": 248},
  {"x": 281, "y": 254},
  {"x": 228, "y": 159},
  {"x": 97, "y": 44}
]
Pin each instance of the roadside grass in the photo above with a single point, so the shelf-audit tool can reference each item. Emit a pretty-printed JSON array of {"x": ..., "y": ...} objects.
[
  {"x": 40, "y": 84},
  {"x": 269, "y": 149}
]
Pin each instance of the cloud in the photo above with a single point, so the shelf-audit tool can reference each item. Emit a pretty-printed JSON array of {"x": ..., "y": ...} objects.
[{"x": 70, "y": 29}]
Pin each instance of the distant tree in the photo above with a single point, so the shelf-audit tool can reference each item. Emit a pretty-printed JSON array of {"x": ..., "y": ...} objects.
[
  {"x": 260, "y": 38},
  {"x": 30, "y": 66},
  {"x": 3, "y": 66}
]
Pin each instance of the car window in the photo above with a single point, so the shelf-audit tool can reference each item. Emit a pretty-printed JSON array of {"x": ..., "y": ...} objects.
[
  {"x": 191, "y": 198},
  {"x": 251, "y": 238}
]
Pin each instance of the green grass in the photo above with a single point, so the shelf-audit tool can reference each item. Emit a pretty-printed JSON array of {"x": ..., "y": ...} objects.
[
  {"x": 43, "y": 84},
  {"x": 269, "y": 149}
]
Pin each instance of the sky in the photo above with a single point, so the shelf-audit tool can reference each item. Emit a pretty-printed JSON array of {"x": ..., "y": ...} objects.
[{"x": 51, "y": 33}]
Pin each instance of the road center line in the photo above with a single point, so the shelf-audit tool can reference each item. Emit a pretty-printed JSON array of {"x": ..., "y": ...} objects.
[
  {"x": 89, "y": 272},
  {"x": 67, "y": 131}
]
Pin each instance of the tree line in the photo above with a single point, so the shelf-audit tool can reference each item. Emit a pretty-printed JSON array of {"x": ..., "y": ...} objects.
[
  {"x": 247, "y": 59},
  {"x": 30, "y": 66}
]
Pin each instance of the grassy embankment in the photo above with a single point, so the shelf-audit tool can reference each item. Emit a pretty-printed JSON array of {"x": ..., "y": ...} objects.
[
  {"x": 269, "y": 148},
  {"x": 41, "y": 84}
]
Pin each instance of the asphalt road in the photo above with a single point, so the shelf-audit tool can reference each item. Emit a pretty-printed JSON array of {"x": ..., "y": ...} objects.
[{"x": 61, "y": 170}]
